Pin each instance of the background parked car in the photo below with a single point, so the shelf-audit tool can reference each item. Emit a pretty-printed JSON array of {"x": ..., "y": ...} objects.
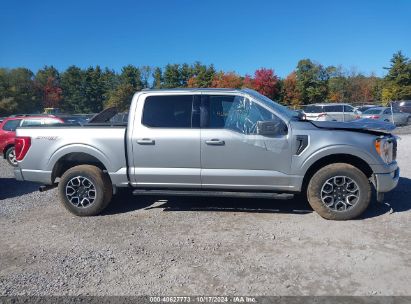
[
  {"x": 361, "y": 109},
  {"x": 404, "y": 106},
  {"x": 8, "y": 132},
  {"x": 330, "y": 112},
  {"x": 385, "y": 114},
  {"x": 73, "y": 119}
]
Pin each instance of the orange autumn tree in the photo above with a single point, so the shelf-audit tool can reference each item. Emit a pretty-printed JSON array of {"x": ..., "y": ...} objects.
[
  {"x": 227, "y": 80},
  {"x": 248, "y": 82},
  {"x": 291, "y": 95}
]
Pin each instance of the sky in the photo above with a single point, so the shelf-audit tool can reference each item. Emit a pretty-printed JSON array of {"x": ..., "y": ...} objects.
[{"x": 239, "y": 35}]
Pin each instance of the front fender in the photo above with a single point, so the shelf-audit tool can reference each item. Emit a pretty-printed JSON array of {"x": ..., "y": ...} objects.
[{"x": 302, "y": 166}]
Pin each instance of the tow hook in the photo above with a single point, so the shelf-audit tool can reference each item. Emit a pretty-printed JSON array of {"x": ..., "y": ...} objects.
[
  {"x": 43, "y": 188},
  {"x": 380, "y": 197}
]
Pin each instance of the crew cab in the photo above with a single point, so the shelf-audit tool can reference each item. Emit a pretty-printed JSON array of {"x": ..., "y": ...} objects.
[
  {"x": 8, "y": 131},
  {"x": 213, "y": 142}
]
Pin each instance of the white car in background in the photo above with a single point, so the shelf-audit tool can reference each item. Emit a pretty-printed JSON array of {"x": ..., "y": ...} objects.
[
  {"x": 330, "y": 112},
  {"x": 395, "y": 116}
]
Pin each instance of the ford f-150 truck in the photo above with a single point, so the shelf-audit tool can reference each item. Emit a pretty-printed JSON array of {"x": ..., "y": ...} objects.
[{"x": 220, "y": 142}]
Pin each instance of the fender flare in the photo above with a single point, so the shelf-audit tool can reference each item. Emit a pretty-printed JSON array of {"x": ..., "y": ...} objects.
[
  {"x": 78, "y": 148},
  {"x": 335, "y": 150}
]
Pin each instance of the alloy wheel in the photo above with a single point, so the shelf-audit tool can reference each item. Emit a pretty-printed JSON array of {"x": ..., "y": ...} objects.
[
  {"x": 340, "y": 193},
  {"x": 80, "y": 192}
]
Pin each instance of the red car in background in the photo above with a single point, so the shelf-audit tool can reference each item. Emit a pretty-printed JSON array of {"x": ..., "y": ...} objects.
[{"x": 8, "y": 132}]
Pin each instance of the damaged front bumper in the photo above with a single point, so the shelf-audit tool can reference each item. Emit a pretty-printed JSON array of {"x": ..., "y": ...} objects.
[{"x": 384, "y": 182}]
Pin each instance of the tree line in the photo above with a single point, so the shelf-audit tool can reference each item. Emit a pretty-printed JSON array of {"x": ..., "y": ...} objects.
[{"x": 89, "y": 90}]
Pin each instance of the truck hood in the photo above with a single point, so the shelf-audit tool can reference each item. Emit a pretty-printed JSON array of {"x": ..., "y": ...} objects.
[{"x": 361, "y": 125}]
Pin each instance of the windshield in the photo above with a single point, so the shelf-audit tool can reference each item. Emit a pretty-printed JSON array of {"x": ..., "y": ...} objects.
[
  {"x": 372, "y": 111},
  {"x": 282, "y": 110}
]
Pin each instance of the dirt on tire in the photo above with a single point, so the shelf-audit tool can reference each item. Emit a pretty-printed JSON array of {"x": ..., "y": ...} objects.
[{"x": 339, "y": 169}]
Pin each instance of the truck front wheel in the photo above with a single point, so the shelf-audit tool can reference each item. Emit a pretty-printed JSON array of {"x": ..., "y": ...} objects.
[
  {"x": 339, "y": 192},
  {"x": 85, "y": 190}
]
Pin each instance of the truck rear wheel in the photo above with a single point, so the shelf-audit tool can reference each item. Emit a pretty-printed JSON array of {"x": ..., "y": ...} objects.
[
  {"x": 85, "y": 190},
  {"x": 339, "y": 192}
]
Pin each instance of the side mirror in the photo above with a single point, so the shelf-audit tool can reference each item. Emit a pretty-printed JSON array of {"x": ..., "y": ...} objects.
[{"x": 269, "y": 128}]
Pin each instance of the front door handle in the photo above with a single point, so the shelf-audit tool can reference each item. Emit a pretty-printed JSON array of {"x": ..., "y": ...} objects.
[
  {"x": 146, "y": 141},
  {"x": 215, "y": 142}
]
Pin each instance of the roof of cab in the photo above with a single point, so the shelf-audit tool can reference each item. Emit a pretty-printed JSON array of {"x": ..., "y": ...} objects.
[{"x": 226, "y": 90}]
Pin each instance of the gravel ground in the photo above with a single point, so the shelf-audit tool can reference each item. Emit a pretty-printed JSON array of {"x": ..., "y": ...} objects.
[
  {"x": 403, "y": 130},
  {"x": 198, "y": 246}
]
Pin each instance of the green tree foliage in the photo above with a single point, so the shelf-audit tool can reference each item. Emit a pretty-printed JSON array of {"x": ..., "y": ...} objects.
[
  {"x": 121, "y": 97},
  {"x": 157, "y": 78},
  {"x": 47, "y": 82},
  {"x": 72, "y": 84},
  {"x": 352, "y": 87},
  {"x": 129, "y": 83},
  {"x": 79, "y": 90},
  {"x": 172, "y": 77},
  {"x": 186, "y": 72},
  {"x": 86, "y": 91},
  {"x": 202, "y": 76},
  {"x": 312, "y": 81},
  {"x": 43, "y": 75},
  {"x": 145, "y": 72},
  {"x": 93, "y": 89},
  {"x": 397, "y": 83},
  {"x": 18, "y": 92}
]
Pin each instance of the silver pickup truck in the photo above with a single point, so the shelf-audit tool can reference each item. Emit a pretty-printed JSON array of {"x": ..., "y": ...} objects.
[{"x": 215, "y": 142}]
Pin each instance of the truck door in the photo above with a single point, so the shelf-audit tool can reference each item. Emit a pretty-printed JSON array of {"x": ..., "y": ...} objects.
[
  {"x": 233, "y": 155},
  {"x": 166, "y": 142}
]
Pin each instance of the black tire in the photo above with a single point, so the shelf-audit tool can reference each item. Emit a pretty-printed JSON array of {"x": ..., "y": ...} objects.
[
  {"x": 84, "y": 175},
  {"x": 315, "y": 191},
  {"x": 11, "y": 157}
]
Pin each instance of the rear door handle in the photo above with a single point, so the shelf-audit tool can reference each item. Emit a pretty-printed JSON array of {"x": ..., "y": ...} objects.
[
  {"x": 215, "y": 142},
  {"x": 146, "y": 141}
]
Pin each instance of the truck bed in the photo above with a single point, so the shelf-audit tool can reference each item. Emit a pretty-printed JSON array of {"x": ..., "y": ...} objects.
[{"x": 104, "y": 142}]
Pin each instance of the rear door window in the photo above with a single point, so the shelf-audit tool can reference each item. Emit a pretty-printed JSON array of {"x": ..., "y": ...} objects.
[
  {"x": 11, "y": 125},
  {"x": 173, "y": 111}
]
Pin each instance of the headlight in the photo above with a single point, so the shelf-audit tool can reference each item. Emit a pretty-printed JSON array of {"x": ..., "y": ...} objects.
[{"x": 385, "y": 148}]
